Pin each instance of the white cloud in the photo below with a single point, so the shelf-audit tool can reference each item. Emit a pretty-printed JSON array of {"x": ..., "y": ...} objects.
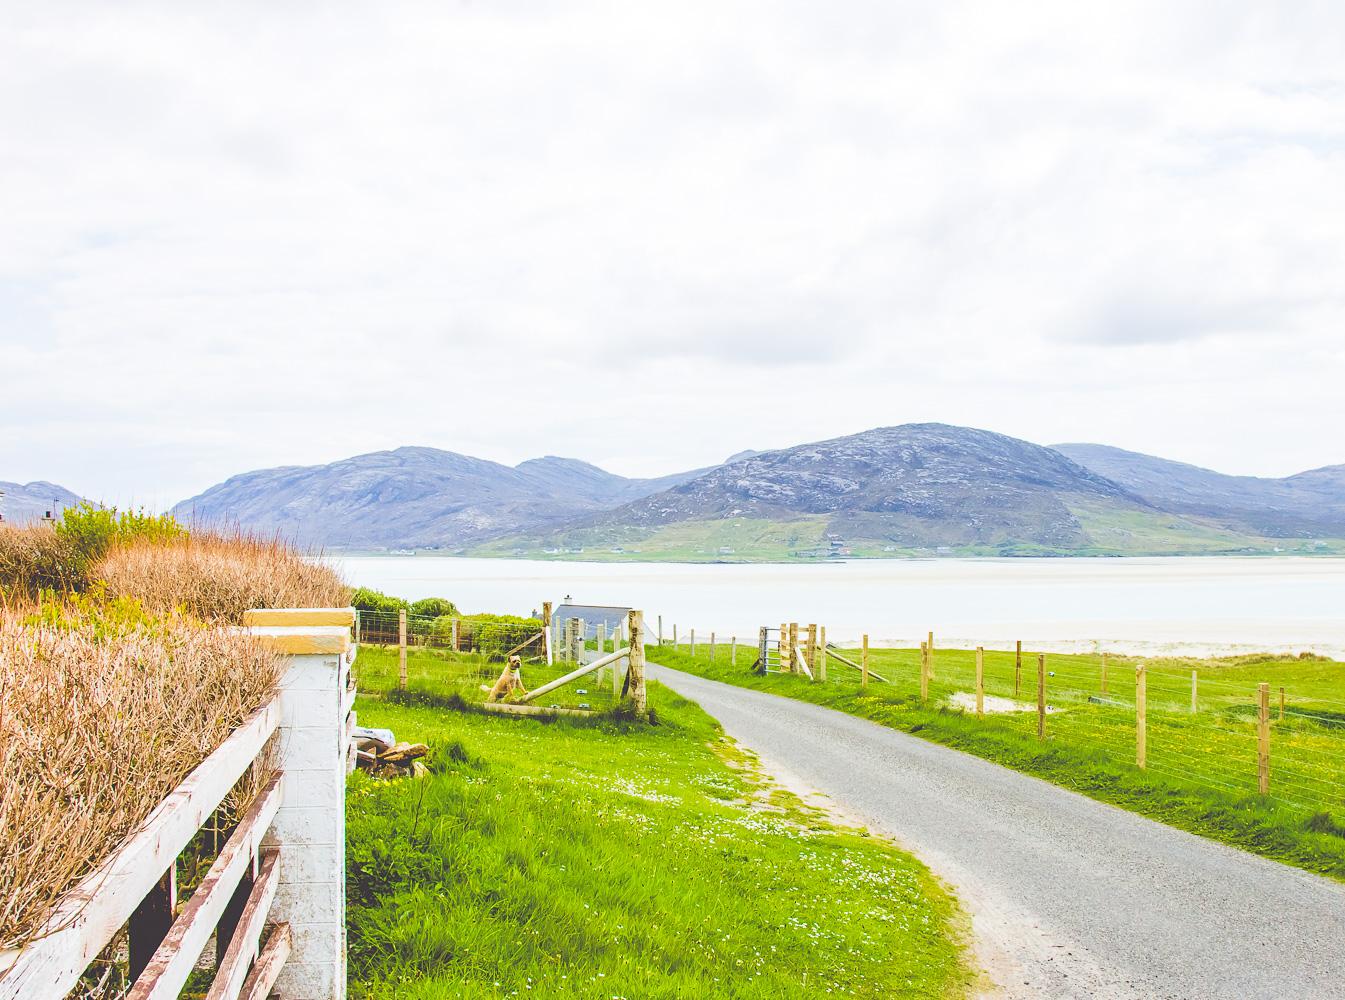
[{"x": 267, "y": 233}]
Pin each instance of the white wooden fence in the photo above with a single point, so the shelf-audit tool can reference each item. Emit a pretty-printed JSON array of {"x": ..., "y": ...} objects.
[{"x": 275, "y": 896}]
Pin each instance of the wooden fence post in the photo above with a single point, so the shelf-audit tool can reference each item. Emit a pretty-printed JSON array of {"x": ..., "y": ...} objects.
[
  {"x": 660, "y": 630},
  {"x": 601, "y": 631},
  {"x": 980, "y": 681},
  {"x": 794, "y": 648},
  {"x": 401, "y": 649},
  {"x": 733, "y": 651},
  {"x": 712, "y": 648},
  {"x": 1281, "y": 704},
  {"x": 784, "y": 646},
  {"x": 1018, "y": 669},
  {"x": 674, "y": 635},
  {"x": 931, "y": 654},
  {"x": 546, "y": 614},
  {"x": 763, "y": 648},
  {"x": 924, "y": 672},
  {"x": 1193, "y": 693},
  {"x": 1263, "y": 738},
  {"x": 1141, "y": 717},
  {"x": 693, "y": 643},
  {"x": 1104, "y": 673},
  {"x": 810, "y": 649},
  {"x": 1041, "y": 696},
  {"x": 822, "y": 654},
  {"x": 309, "y": 827},
  {"x": 455, "y": 635},
  {"x": 635, "y": 627},
  {"x": 864, "y": 661}
]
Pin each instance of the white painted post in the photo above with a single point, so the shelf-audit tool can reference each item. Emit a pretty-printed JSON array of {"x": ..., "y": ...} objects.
[{"x": 312, "y": 746}]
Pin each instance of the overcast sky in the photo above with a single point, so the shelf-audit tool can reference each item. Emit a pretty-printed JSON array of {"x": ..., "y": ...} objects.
[{"x": 650, "y": 235}]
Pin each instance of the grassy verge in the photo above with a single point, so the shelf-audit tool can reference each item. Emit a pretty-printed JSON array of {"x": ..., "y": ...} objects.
[
  {"x": 1202, "y": 765},
  {"x": 596, "y": 858}
]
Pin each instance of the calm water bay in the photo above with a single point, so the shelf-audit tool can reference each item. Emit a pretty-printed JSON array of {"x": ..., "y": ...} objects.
[{"x": 1190, "y": 605}]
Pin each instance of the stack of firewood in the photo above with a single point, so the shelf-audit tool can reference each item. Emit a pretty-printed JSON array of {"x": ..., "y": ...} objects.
[{"x": 380, "y": 756}]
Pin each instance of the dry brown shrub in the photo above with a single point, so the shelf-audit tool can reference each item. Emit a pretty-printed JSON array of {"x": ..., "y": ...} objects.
[
  {"x": 95, "y": 729},
  {"x": 34, "y": 558},
  {"x": 218, "y": 577}
]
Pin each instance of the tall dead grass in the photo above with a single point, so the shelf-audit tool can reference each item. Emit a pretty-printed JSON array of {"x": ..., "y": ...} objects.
[
  {"x": 217, "y": 577},
  {"x": 32, "y": 559},
  {"x": 96, "y": 727}
]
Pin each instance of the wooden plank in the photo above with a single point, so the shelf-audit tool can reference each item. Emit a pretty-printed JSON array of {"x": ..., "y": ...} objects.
[
  {"x": 296, "y": 644},
  {"x": 233, "y": 968},
  {"x": 864, "y": 662},
  {"x": 272, "y": 959},
  {"x": 524, "y": 645},
  {"x": 299, "y": 616},
  {"x": 862, "y": 667},
  {"x": 90, "y": 914},
  {"x": 803, "y": 661},
  {"x": 821, "y": 654},
  {"x": 508, "y": 708},
  {"x": 574, "y": 675},
  {"x": 930, "y": 647},
  {"x": 172, "y": 964}
]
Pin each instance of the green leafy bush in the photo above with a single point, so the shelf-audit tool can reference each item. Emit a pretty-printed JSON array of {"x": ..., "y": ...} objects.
[
  {"x": 434, "y": 607},
  {"x": 375, "y": 601},
  {"x": 90, "y": 531}
]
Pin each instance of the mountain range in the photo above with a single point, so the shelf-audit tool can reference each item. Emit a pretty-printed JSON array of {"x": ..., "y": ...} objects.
[
  {"x": 415, "y": 498},
  {"x": 911, "y": 489}
]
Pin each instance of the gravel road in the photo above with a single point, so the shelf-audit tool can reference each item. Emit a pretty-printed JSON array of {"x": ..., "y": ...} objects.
[{"x": 1068, "y": 897}]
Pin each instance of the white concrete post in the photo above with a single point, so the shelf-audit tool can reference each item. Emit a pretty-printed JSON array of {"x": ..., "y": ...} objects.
[{"x": 313, "y": 744}]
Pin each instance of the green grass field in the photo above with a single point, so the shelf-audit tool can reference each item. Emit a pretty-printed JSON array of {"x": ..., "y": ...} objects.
[
  {"x": 1201, "y": 769},
  {"x": 602, "y": 858}
]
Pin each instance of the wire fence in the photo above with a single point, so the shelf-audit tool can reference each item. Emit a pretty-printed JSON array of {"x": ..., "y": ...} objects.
[
  {"x": 1189, "y": 721},
  {"x": 461, "y": 634}
]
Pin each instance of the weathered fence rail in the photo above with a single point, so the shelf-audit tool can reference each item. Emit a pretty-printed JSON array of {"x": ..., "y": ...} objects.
[{"x": 274, "y": 896}]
